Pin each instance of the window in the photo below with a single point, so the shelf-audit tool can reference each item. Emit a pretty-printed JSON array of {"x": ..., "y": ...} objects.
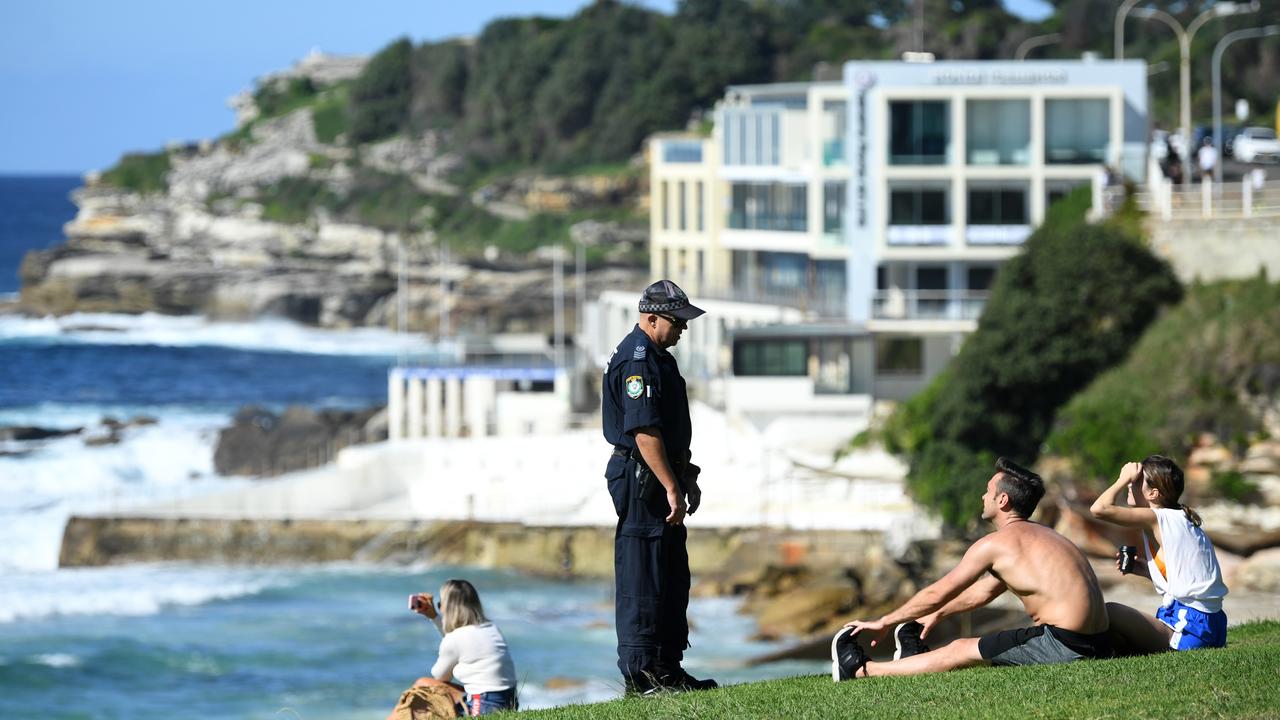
[
  {"x": 918, "y": 206},
  {"x": 834, "y": 122},
  {"x": 700, "y": 270},
  {"x": 768, "y": 206},
  {"x": 998, "y": 206},
  {"x": 751, "y": 136},
  {"x": 980, "y": 278},
  {"x": 684, "y": 225},
  {"x": 998, "y": 132},
  {"x": 1076, "y": 131},
  {"x": 899, "y": 356},
  {"x": 833, "y": 195},
  {"x": 698, "y": 208},
  {"x": 666, "y": 262},
  {"x": 662, "y": 199},
  {"x": 918, "y": 132},
  {"x": 682, "y": 151},
  {"x": 834, "y": 367},
  {"x": 770, "y": 358}
]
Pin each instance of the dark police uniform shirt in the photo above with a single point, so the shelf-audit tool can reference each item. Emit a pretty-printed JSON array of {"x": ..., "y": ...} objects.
[{"x": 643, "y": 388}]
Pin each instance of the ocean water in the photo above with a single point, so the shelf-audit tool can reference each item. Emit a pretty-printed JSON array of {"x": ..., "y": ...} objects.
[{"x": 182, "y": 640}]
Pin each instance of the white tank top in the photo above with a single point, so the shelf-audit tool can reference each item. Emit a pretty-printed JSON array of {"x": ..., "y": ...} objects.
[{"x": 1195, "y": 579}]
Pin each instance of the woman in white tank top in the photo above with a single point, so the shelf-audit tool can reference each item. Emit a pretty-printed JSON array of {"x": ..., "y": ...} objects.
[{"x": 1177, "y": 556}]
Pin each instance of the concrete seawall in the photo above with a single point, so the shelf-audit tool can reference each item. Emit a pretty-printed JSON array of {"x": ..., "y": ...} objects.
[{"x": 546, "y": 550}]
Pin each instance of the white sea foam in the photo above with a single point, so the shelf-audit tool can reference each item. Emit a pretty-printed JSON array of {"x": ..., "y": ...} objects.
[
  {"x": 133, "y": 590},
  {"x": 57, "y": 660},
  {"x": 197, "y": 331},
  {"x": 41, "y": 489}
]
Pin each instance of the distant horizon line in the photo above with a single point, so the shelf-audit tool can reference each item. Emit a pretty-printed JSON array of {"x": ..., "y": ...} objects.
[{"x": 42, "y": 173}]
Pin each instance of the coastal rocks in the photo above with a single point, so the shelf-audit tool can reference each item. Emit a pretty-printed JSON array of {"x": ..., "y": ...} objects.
[
  {"x": 30, "y": 433},
  {"x": 280, "y": 148},
  {"x": 1261, "y": 571},
  {"x": 262, "y": 443}
]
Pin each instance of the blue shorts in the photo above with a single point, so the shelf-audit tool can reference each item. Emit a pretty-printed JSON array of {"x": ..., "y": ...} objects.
[
  {"x": 1192, "y": 628},
  {"x": 487, "y": 702}
]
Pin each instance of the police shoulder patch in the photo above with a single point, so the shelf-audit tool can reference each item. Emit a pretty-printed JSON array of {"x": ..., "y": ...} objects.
[
  {"x": 635, "y": 387},
  {"x": 639, "y": 352}
]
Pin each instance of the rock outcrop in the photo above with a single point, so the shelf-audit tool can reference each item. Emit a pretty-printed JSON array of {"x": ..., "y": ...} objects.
[{"x": 262, "y": 443}]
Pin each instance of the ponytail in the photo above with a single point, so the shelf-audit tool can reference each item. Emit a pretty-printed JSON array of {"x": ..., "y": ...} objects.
[{"x": 1192, "y": 516}]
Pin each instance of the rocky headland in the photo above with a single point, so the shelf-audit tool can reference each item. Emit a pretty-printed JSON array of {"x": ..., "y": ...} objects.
[{"x": 284, "y": 218}]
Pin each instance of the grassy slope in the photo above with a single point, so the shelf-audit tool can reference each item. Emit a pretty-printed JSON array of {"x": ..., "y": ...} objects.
[{"x": 1238, "y": 682}]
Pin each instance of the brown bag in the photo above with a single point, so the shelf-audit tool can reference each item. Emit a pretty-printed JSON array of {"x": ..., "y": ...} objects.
[{"x": 425, "y": 702}]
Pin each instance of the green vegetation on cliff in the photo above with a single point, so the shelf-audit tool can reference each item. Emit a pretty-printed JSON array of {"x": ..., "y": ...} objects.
[
  {"x": 1065, "y": 309},
  {"x": 1237, "y": 681},
  {"x": 1198, "y": 369},
  {"x": 140, "y": 172}
]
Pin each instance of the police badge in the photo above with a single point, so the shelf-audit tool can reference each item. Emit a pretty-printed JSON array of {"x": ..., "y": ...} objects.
[{"x": 635, "y": 387}]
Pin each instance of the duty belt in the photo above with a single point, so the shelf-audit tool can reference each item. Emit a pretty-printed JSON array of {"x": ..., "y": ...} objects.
[{"x": 620, "y": 451}]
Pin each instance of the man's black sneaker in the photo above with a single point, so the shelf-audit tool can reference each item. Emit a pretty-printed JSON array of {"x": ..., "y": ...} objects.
[
  {"x": 847, "y": 656},
  {"x": 906, "y": 638},
  {"x": 684, "y": 681},
  {"x": 671, "y": 681}
]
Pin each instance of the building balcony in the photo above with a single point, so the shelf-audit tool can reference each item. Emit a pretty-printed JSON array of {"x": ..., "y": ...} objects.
[
  {"x": 739, "y": 220},
  {"x": 928, "y": 304},
  {"x": 826, "y": 303}
]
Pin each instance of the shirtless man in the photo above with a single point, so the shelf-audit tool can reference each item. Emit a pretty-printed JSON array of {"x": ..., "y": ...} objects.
[{"x": 1048, "y": 573}]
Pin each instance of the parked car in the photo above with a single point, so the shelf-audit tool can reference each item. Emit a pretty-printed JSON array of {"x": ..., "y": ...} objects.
[{"x": 1257, "y": 144}]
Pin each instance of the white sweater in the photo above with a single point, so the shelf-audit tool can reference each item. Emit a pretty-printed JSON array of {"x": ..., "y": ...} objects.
[
  {"x": 477, "y": 657},
  {"x": 1195, "y": 579}
]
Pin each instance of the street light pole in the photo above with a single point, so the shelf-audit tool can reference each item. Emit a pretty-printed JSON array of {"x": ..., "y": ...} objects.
[
  {"x": 1185, "y": 36},
  {"x": 1218, "y": 50},
  {"x": 1034, "y": 42},
  {"x": 1124, "y": 10}
]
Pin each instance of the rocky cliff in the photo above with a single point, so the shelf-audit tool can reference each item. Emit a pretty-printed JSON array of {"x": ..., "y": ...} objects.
[{"x": 274, "y": 220}]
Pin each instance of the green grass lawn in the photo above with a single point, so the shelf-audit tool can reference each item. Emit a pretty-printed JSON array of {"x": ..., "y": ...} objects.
[{"x": 1240, "y": 681}]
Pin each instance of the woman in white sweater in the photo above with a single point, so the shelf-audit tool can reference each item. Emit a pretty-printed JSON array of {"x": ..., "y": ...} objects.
[
  {"x": 1176, "y": 556},
  {"x": 473, "y": 652}
]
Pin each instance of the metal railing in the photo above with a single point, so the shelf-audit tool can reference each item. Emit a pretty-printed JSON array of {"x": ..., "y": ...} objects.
[
  {"x": 928, "y": 304},
  {"x": 1234, "y": 199}
]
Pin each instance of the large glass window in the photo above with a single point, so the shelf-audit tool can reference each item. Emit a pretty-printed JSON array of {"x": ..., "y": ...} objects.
[
  {"x": 768, "y": 206},
  {"x": 680, "y": 199},
  {"x": 699, "y": 208},
  {"x": 918, "y": 206},
  {"x": 834, "y": 124},
  {"x": 834, "y": 366},
  {"x": 980, "y": 277},
  {"x": 751, "y": 136},
  {"x": 662, "y": 199},
  {"x": 998, "y": 206},
  {"x": 1076, "y": 131},
  {"x": 998, "y": 132},
  {"x": 770, "y": 358},
  {"x": 919, "y": 132},
  {"x": 833, "y": 196},
  {"x": 899, "y": 356}
]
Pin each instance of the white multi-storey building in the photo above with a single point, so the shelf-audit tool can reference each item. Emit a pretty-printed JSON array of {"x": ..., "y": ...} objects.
[{"x": 888, "y": 200}]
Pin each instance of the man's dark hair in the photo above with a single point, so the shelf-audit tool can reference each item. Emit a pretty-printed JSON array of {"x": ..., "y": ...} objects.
[{"x": 1023, "y": 487}]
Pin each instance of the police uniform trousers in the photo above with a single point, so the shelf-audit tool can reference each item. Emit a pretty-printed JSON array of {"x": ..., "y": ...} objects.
[{"x": 651, "y": 576}]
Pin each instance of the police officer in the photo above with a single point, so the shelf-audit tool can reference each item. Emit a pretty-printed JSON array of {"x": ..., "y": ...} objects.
[{"x": 646, "y": 418}]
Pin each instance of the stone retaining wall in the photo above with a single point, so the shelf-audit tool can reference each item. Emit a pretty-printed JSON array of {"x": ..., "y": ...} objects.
[{"x": 566, "y": 551}]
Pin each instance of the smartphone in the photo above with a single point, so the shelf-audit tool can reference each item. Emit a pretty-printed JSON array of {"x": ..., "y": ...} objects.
[{"x": 413, "y": 602}]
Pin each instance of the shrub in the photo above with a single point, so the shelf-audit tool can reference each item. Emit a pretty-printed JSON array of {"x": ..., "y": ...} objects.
[
  {"x": 281, "y": 97},
  {"x": 140, "y": 172},
  {"x": 1068, "y": 307},
  {"x": 1189, "y": 374}
]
